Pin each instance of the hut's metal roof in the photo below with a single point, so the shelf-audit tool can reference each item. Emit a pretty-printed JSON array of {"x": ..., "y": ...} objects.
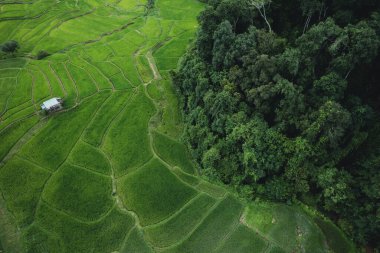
[{"x": 50, "y": 103}]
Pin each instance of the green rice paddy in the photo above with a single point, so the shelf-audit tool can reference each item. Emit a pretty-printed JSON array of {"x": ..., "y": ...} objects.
[{"x": 109, "y": 172}]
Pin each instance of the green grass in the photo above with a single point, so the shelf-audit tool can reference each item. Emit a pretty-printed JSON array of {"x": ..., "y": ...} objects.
[
  {"x": 41, "y": 88},
  {"x": 288, "y": 226},
  {"x": 187, "y": 178},
  {"x": 129, "y": 69},
  {"x": 171, "y": 118},
  {"x": 84, "y": 82},
  {"x": 11, "y": 135},
  {"x": 172, "y": 152},
  {"x": 127, "y": 142},
  {"x": 9, "y": 72},
  {"x": 153, "y": 192},
  {"x": 7, "y": 85},
  {"x": 144, "y": 69},
  {"x": 136, "y": 243},
  {"x": 181, "y": 224},
  {"x": 76, "y": 191},
  {"x": 50, "y": 146},
  {"x": 213, "y": 229},
  {"x": 23, "y": 90},
  {"x": 120, "y": 82},
  {"x": 87, "y": 156},
  {"x": 54, "y": 82},
  {"x": 101, "y": 80},
  {"x": 13, "y": 63},
  {"x": 154, "y": 91},
  {"x": 68, "y": 235},
  {"x": 211, "y": 189},
  {"x": 335, "y": 238},
  {"x": 40, "y": 240},
  {"x": 67, "y": 83},
  {"x": 17, "y": 116},
  {"x": 21, "y": 184},
  {"x": 120, "y": 128},
  {"x": 94, "y": 133},
  {"x": 243, "y": 240}
]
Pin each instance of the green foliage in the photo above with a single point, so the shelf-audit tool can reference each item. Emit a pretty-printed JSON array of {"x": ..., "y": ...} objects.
[
  {"x": 42, "y": 54},
  {"x": 279, "y": 113},
  {"x": 106, "y": 174},
  {"x": 10, "y": 46}
]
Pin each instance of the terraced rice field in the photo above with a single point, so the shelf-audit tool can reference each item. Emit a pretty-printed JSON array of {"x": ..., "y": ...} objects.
[{"x": 108, "y": 173}]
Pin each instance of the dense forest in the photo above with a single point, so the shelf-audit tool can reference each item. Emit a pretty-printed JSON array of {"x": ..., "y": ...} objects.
[{"x": 281, "y": 101}]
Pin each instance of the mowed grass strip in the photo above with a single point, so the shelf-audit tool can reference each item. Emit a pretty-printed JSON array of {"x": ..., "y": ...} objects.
[
  {"x": 153, "y": 90},
  {"x": 42, "y": 240},
  {"x": 214, "y": 228},
  {"x": 80, "y": 193},
  {"x": 144, "y": 68},
  {"x": 17, "y": 115},
  {"x": 187, "y": 178},
  {"x": 68, "y": 235},
  {"x": 83, "y": 81},
  {"x": 21, "y": 184},
  {"x": 51, "y": 146},
  {"x": 127, "y": 142},
  {"x": 211, "y": 189},
  {"x": 41, "y": 88},
  {"x": 172, "y": 152},
  {"x": 94, "y": 133},
  {"x": 130, "y": 71},
  {"x": 90, "y": 157},
  {"x": 102, "y": 81},
  {"x": 243, "y": 240},
  {"x": 180, "y": 224},
  {"x": 171, "y": 117},
  {"x": 120, "y": 82},
  {"x": 54, "y": 82},
  {"x": 23, "y": 89},
  {"x": 7, "y": 85},
  {"x": 13, "y": 63},
  {"x": 153, "y": 192},
  {"x": 11, "y": 135},
  {"x": 336, "y": 240},
  {"x": 288, "y": 226},
  {"x": 68, "y": 84},
  {"x": 136, "y": 243}
]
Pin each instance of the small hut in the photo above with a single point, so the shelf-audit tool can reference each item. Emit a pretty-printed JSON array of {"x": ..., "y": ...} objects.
[{"x": 53, "y": 104}]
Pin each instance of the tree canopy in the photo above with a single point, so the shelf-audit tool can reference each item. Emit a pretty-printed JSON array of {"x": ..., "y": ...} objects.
[{"x": 281, "y": 100}]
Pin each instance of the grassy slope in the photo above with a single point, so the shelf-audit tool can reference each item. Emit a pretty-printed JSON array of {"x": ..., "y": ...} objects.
[{"x": 109, "y": 173}]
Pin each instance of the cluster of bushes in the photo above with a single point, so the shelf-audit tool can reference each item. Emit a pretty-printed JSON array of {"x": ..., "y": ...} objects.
[
  {"x": 281, "y": 100},
  {"x": 9, "y": 47}
]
